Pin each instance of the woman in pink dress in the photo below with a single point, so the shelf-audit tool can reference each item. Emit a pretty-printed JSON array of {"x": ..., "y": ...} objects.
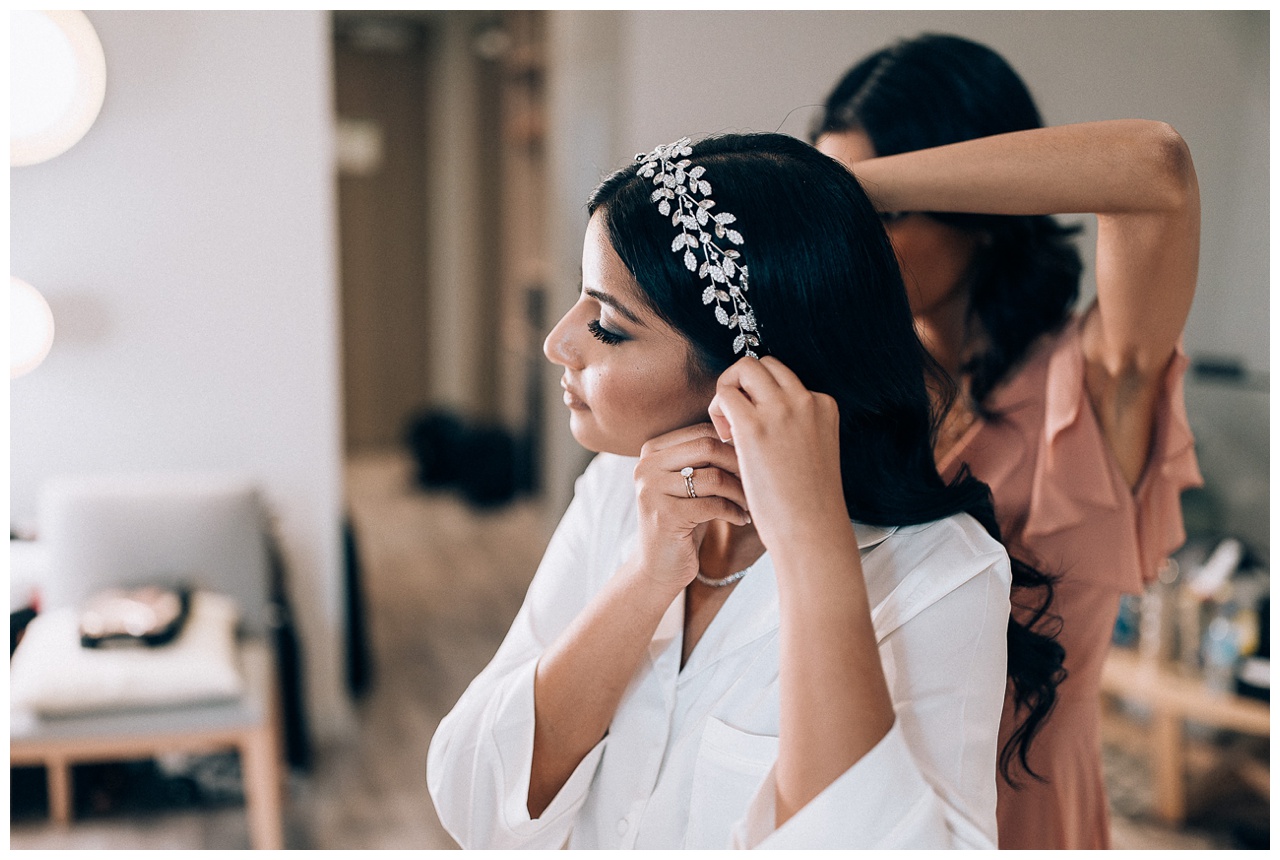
[{"x": 1075, "y": 419}]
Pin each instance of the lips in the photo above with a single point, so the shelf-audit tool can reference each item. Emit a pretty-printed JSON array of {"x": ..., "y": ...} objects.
[{"x": 571, "y": 398}]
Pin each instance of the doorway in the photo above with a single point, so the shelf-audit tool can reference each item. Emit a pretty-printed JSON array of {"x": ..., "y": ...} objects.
[
  {"x": 381, "y": 101},
  {"x": 441, "y": 208}
]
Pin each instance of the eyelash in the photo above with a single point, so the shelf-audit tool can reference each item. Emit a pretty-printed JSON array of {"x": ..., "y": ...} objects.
[{"x": 603, "y": 335}]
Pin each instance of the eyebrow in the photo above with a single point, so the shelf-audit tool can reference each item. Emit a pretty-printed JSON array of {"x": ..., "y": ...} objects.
[{"x": 606, "y": 299}]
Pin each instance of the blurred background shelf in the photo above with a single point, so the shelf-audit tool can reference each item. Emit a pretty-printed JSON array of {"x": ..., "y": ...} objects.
[{"x": 1170, "y": 701}]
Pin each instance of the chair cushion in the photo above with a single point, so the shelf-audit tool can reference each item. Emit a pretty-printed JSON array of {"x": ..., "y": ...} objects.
[{"x": 53, "y": 675}]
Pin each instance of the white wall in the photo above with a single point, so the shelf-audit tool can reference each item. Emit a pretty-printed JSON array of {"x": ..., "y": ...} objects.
[{"x": 186, "y": 246}]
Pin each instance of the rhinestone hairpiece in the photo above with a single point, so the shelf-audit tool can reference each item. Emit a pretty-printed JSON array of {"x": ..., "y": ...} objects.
[{"x": 685, "y": 195}]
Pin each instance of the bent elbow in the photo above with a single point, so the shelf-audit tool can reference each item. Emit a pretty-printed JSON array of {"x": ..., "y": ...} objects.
[{"x": 1174, "y": 171}]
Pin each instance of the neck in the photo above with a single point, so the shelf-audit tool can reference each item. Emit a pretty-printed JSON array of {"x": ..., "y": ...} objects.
[
  {"x": 727, "y": 548},
  {"x": 945, "y": 332}
]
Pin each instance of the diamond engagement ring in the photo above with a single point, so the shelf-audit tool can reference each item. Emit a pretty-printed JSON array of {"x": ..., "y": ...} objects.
[{"x": 687, "y": 474}]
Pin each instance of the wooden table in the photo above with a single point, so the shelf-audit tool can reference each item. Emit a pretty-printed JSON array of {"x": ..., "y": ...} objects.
[{"x": 1173, "y": 700}]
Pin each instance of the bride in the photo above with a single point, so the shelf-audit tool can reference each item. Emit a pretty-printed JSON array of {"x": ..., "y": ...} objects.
[{"x": 764, "y": 620}]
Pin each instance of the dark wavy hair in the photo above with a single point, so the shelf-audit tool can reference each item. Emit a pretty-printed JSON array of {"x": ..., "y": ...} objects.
[
  {"x": 939, "y": 89},
  {"x": 830, "y": 303}
]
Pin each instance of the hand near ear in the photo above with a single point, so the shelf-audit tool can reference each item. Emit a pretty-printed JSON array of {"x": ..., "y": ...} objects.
[{"x": 788, "y": 443}]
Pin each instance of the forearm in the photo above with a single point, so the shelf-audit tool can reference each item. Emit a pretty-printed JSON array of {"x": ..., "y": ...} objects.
[
  {"x": 835, "y": 703},
  {"x": 1114, "y": 166},
  {"x": 582, "y": 676}
]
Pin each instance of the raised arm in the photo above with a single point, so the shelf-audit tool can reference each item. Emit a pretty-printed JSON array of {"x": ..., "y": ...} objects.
[
  {"x": 1137, "y": 177},
  {"x": 835, "y": 704},
  {"x": 866, "y": 758}
]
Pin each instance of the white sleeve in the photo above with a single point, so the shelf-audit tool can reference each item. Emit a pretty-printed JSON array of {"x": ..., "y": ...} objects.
[
  {"x": 930, "y": 782},
  {"x": 479, "y": 761}
]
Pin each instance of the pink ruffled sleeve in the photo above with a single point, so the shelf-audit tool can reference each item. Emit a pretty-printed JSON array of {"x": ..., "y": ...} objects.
[{"x": 1081, "y": 508}]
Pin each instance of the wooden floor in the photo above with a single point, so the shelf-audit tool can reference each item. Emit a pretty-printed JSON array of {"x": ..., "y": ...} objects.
[{"x": 442, "y": 582}]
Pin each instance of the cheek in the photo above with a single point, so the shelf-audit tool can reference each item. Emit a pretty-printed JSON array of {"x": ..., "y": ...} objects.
[
  {"x": 910, "y": 247},
  {"x": 618, "y": 394},
  {"x": 641, "y": 404},
  {"x": 932, "y": 263}
]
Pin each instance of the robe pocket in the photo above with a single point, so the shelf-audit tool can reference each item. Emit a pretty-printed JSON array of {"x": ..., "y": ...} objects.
[{"x": 730, "y": 767}]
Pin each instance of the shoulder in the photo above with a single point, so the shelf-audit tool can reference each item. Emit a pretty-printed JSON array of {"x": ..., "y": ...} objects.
[
  {"x": 598, "y": 520},
  {"x": 607, "y": 475},
  {"x": 607, "y": 484},
  {"x": 957, "y": 547},
  {"x": 923, "y": 564}
]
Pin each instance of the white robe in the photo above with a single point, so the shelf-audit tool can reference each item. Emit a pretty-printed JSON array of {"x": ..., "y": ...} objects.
[{"x": 687, "y": 761}]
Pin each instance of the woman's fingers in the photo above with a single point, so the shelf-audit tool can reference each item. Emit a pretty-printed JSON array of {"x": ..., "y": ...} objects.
[
  {"x": 753, "y": 377},
  {"x": 762, "y": 378},
  {"x": 681, "y": 436},
  {"x": 766, "y": 384},
  {"x": 694, "y": 474},
  {"x": 787, "y": 439},
  {"x": 729, "y": 406},
  {"x": 764, "y": 388},
  {"x": 784, "y": 376},
  {"x": 698, "y": 450},
  {"x": 706, "y": 509},
  {"x": 712, "y": 466},
  {"x": 707, "y": 482}
]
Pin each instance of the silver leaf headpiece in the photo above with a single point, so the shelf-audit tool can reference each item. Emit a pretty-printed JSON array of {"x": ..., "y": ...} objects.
[{"x": 685, "y": 195}]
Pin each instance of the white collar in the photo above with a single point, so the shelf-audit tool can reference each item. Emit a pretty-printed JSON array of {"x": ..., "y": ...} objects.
[{"x": 869, "y": 535}]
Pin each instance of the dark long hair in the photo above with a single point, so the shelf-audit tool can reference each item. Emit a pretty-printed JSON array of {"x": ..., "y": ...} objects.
[
  {"x": 937, "y": 89},
  {"x": 827, "y": 293}
]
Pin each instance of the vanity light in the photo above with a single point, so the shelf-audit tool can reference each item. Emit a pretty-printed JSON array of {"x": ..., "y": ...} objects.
[
  {"x": 30, "y": 327},
  {"x": 57, "y": 80}
]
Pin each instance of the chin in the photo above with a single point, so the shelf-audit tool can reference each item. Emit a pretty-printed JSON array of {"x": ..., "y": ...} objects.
[
  {"x": 590, "y": 437},
  {"x": 584, "y": 435}
]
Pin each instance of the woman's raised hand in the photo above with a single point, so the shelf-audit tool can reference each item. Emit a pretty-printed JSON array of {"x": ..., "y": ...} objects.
[
  {"x": 671, "y": 520},
  {"x": 787, "y": 440}
]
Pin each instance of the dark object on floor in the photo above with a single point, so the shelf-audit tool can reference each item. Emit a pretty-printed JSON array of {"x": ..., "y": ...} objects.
[
  {"x": 488, "y": 455},
  {"x": 130, "y": 787},
  {"x": 485, "y": 463},
  {"x": 289, "y": 665},
  {"x": 433, "y": 438},
  {"x": 359, "y": 664}
]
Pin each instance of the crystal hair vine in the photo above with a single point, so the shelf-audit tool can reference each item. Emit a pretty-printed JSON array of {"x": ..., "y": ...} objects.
[{"x": 685, "y": 195}]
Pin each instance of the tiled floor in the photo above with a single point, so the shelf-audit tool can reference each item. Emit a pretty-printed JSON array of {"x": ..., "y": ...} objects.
[{"x": 442, "y": 583}]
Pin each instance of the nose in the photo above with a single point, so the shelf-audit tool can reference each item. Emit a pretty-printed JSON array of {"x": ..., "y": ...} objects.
[{"x": 559, "y": 347}]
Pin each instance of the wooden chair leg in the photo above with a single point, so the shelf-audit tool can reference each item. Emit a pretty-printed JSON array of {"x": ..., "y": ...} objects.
[
  {"x": 263, "y": 790},
  {"x": 1170, "y": 769},
  {"x": 58, "y": 772}
]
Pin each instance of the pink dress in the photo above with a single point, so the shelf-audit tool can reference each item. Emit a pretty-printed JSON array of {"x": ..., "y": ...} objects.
[{"x": 1064, "y": 506}]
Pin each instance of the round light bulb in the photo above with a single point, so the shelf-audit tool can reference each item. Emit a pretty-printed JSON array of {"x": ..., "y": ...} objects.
[
  {"x": 57, "y": 81},
  {"x": 30, "y": 327}
]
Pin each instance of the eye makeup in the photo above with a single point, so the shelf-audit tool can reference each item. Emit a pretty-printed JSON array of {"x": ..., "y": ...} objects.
[{"x": 603, "y": 335}]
